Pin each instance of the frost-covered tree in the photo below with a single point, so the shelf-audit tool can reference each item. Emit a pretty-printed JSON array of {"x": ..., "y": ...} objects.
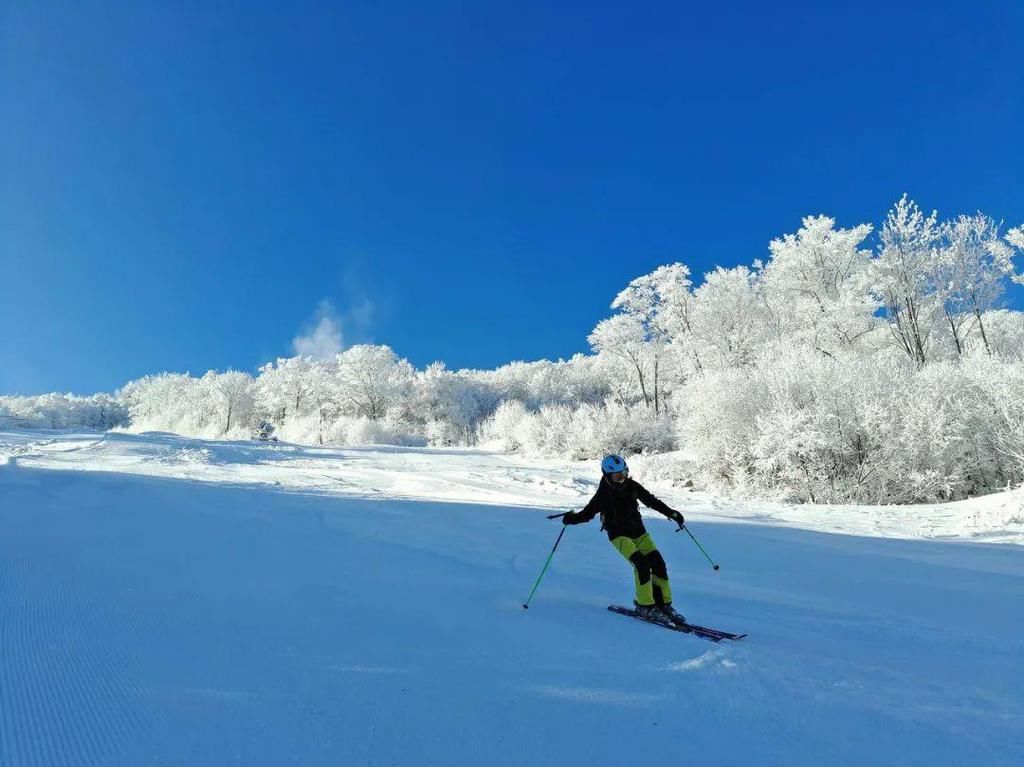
[
  {"x": 1005, "y": 330},
  {"x": 579, "y": 432},
  {"x": 234, "y": 397},
  {"x": 506, "y": 424},
  {"x": 974, "y": 264},
  {"x": 165, "y": 402},
  {"x": 803, "y": 427},
  {"x": 371, "y": 379},
  {"x": 632, "y": 359},
  {"x": 816, "y": 286},
  {"x": 904, "y": 277},
  {"x": 660, "y": 304},
  {"x": 1015, "y": 237},
  {"x": 282, "y": 387},
  {"x": 578, "y": 380},
  {"x": 728, "y": 318},
  {"x": 446, "y": 403},
  {"x": 324, "y": 394}
]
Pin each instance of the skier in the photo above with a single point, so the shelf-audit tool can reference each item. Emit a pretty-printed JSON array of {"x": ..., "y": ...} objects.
[{"x": 616, "y": 502}]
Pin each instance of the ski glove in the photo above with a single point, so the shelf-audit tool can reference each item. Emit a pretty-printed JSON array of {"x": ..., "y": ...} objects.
[
  {"x": 676, "y": 517},
  {"x": 569, "y": 518}
]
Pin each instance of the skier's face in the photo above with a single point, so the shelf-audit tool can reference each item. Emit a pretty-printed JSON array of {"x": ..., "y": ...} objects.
[{"x": 618, "y": 477}]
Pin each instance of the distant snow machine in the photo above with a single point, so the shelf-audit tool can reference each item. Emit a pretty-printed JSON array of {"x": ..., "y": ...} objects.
[{"x": 264, "y": 432}]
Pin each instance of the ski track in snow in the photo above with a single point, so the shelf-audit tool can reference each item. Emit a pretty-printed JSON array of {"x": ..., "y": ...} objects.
[
  {"x": 64, "y": 700},
  {"x": 179, "y": 602},
  {"x": 596, "y": 696}
]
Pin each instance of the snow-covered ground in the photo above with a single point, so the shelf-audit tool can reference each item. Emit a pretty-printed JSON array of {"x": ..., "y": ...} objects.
[
  {"x": 466, "y": 475},
  {"x": 180, "y": 602}
]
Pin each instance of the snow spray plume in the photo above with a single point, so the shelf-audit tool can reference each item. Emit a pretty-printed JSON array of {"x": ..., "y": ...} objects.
[{"x": 324, "y": 340}]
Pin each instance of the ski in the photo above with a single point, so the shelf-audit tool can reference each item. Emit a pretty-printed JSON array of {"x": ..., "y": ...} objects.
[{"x": 714, "y": 635}]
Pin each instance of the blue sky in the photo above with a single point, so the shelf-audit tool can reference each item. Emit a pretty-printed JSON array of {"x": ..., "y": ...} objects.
[{"x": 183, "y": 185}]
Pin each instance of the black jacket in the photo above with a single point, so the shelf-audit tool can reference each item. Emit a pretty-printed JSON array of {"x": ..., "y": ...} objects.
[{"x": 617, "y": 505}]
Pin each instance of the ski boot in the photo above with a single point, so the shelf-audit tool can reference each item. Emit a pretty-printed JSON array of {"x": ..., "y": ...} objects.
[
  {"x": 671, "y": 615},
  {"x": 650, "y": 613}
]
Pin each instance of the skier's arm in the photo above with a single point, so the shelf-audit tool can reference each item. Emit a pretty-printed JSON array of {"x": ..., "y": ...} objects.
[
  {"x": 585, "y": 514},
  {"x": 657, "y": 504}
]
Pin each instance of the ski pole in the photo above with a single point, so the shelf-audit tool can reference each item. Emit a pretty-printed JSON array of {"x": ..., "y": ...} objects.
[
  {"x": 526, "y": 604},
  {"x": 684, "y": 527}
]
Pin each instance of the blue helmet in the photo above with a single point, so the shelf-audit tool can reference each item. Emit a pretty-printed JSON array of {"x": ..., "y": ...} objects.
[{"x": 613, "y": 463}]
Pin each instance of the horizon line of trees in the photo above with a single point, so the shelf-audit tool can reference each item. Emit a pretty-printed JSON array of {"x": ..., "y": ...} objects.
[{"x": 833, "y": 371}]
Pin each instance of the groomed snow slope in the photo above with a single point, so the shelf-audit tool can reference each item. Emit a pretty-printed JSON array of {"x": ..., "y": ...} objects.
[{"x": 163, "y": 620}]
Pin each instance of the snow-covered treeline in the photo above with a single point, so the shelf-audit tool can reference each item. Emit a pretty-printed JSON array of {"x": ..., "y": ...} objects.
[
  {"x": 851, "y": 365},
  {"x": 834, "y": 372},
  {"x": 63, "y": 411},
  {"x": 364, "y": 395}
]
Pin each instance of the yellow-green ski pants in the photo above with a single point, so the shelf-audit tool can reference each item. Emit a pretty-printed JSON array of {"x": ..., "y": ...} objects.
[{"x": 650, "y": 575}]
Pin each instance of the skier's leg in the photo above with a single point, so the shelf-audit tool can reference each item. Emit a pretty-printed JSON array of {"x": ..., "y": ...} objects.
[
  {"x": 662, "y": 589},
  {"x": 641, "y": 569}
]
